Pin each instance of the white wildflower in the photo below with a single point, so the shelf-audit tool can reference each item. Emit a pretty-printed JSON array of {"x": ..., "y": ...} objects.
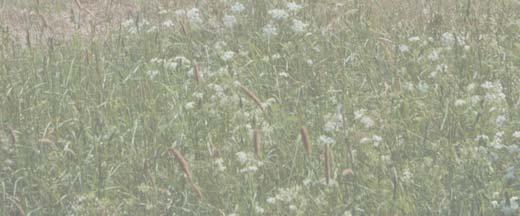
[
  {"x": 516, "y": 134},
  {"x": 194, "y": 16},
  {"x": 237, "y": 7},
  {"x": 168, "y": 23},
  {"x": 403, "y": 48},
  {"x": 326, "y": 140},
  {"x": 408, "y": 86},
  {"x": 270, "y": 30},
  {"x": 152, "y": 73},
  {"x": 127, "y": 23},
  {"x": 228, "y": 55},
  {"x": 487, "y": 85},
  {"x": 278, "y": 14},
  {"x": 494, "y": 204},
  {"x": 220, "y": 164},
  {"x": 229, "y": 21},
  {"x": 501, "y": 120},
  {"x": 180, "y": 12},
  {"x": 367, "y": 121},
  {"x": 377, "y": 140},
  {"x": 365, "y": 140},
  {"x": 333, "y": 122},
  {"x": 414, "y": 39},
  {"x": 182, "y": 60},
  {"x": 271, "y": 200},
  {"x": 242, "y": 157},
  {"x": 259, "y": 210},
  {"x": 359, "y": 113},
  {"x": 448, "y": 39},
  {"x": 292, "y": 6},
  {"x": 198, "y": 95},
  {"x": 481, "y": 137},
  {"x": 434, "y": 56},
  {"x": 407, "y": 175},
  {"x": 423, "y": 87},
  {"x": 298, "y": 26},
  {"x": 249, "y": 169},
  {"x": 189, "y": 105},
  {"x": 284, "y": 74},
  {"x": 170, "y": 65},
  {"x": 459, "y": 102},
  {"x": 471, "y": 87}
]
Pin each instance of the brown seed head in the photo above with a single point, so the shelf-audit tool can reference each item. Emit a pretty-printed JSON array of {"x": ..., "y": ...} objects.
[
  {"x": 253, "y": 97},
  {"x": 306, "y": 142},
  {"x": 256, "y": 143},
  {"x": 327, "y": 164},
  {"x": 184, "y": 164}
]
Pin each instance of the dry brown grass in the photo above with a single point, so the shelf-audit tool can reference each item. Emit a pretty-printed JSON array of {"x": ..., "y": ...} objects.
[{"x": 35, "y": 22}]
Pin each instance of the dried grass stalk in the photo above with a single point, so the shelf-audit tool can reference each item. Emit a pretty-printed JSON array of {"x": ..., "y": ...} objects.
[
  {"x": 256, "y": 143},
  {"x": 184, "y": 164},
  {"x": 306, "y": 141},
  {"x": 327, "y": 164},
  {"x": 253, "y": 97},
  {"x": 185, "y": 168},
  {"x": 197, "y": 190},
  {"x": 197, "y": 73}
]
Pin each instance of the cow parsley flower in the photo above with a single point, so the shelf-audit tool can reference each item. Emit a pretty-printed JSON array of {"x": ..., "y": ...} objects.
[
  {"x": 414, "y": 39},
  {"x": 229, "y": 21},
  {"x": 219, "y": 163},
  {"x": 459, "y": 102},
  {"x": 270, "y": 30},
  {"x": 194, "y": 16},
  {"x": 180, "y": 13},
  {"x": 237, "y": 8},
  {"x": 516, "y": 134},
  {"x": 168, "y": 23},
  {"x": 228, "y": 55},
  {"x": 152, "y": 74},
  {"x": 189, "y": 105},
  {"x": 292, "y": 6},
  {"x": 278, "y": 14},
  {"x": 298, "y": 26},
  {"x": 377, "y": 140},
  {"x": 327, "y": 140},
  {"x": 404, "y": 48}
]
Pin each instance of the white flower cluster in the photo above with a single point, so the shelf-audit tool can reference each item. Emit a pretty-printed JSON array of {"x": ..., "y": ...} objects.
[
  {"x": 168, "y": 64},
  {"x": 270, "y": 30},
  {"x": 494, "y": 92},
  {"x": 193, "y": 15},
  {"x": 333, "y": 122},
  {"x": 229, "y": 21},
  {"x": 237, "y": 7},
  {"x": 278, "y": 14},
  {"x": 285, "y": 195},
  {"x": 249, "y": 162},
  {"x": 361, "y": 116},
  {"x": 326, "y": 140},
  {"x": 298, "y": 26}
]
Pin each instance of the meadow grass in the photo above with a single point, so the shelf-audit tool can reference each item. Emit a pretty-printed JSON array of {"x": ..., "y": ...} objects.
[{"x": 266, "y": 108}]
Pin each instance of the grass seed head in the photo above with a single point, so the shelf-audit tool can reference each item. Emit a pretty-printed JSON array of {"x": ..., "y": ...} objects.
[
  {"x": 253, "y": 97},
  {"x": 182, "y": 162},
  {"x": 306, "y": 141},
  {"x": 256, "y": 143}
]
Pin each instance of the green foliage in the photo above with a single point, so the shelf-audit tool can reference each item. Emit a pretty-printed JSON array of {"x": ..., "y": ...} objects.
[{"x": 420, "y": 101}]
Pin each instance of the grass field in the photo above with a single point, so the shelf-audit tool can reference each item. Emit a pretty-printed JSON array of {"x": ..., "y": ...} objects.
[{"x": 245, "y": 107}]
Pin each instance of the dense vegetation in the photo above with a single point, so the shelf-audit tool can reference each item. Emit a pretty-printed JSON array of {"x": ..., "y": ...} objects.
[{"x": 278, "y": 108}]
